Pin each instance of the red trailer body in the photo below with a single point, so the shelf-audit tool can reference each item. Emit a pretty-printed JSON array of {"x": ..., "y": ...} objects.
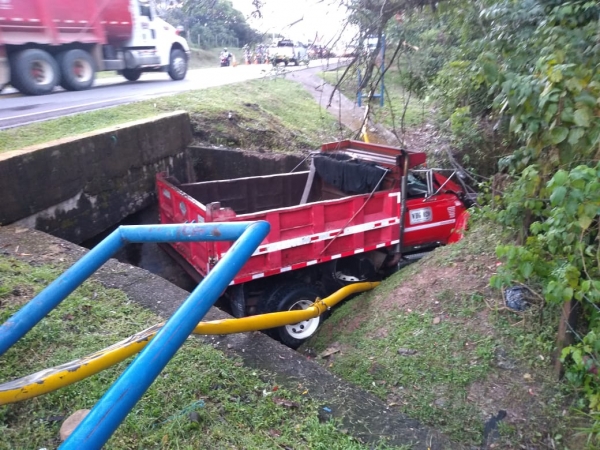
[
  {"x": 314, "y": 223},
  {"x": 65, "y": 21},
  {"x": 44, "y": 43}
]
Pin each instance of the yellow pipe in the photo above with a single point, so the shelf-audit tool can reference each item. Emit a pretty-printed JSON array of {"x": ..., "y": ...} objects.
[
  {"x": 365, "y": 136},
  {"x": 54, "y": 378}
]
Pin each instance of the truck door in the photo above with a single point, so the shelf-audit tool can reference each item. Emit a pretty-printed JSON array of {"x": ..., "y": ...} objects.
[{"x": 431, "y": 215}]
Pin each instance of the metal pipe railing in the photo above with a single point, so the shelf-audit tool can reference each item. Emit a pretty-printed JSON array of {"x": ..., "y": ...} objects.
[
  {"x": 54, "y": 378},
  {"x": 115, "y": 404},
  {"x": 39, "y": 307}
]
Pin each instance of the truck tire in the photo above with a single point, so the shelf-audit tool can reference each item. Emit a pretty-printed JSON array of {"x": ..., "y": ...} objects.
[
  {"x": 34, "y": 72},
  {"x": 289, "y": 297},
  {"x": 77, "y": 70},
  {"x": 131, "y": 74},
  {"x": 178, "y": 66}
]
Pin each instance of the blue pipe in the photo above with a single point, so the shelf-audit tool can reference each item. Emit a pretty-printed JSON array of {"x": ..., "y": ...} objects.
[
  {"x": 34, "y": 311},
  {"x": 98, "y": 426}
]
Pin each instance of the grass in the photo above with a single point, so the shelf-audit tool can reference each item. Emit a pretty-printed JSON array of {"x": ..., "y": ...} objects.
[
  {"x": 276, "y": 114},
  {"x": 395, "y": 99},
  {"x": 202, "y": 399},
  {"x": 455, "y": 330}
]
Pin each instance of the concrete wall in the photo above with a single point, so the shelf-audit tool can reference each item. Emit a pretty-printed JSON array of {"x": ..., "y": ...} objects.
[
  {"x": 77, "y": 187},
  {"x": 218, "y": 163}
]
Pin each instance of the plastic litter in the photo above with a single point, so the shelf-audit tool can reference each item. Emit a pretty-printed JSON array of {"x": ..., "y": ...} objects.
[{"x": 516, "y": 298}]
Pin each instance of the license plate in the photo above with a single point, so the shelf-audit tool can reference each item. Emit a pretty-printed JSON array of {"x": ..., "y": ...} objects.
[{"x": 420, "y": 215}]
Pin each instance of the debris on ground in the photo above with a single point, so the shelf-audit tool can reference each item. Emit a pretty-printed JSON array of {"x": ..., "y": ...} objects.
[
  {"x": 72, "y": 422},
  {"x": 515, "y": 298}
]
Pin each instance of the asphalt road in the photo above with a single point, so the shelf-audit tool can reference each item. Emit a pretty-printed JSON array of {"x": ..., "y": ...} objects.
[{"x": 17, "y": 109}]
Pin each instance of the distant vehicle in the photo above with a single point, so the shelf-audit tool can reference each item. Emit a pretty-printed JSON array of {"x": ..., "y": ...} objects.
[
  {"x": 226, "y": 58},
  {"x": 288, "y": 53},
  {"x": 318, "y": 52},
  {"x": 47, "y": 43}
]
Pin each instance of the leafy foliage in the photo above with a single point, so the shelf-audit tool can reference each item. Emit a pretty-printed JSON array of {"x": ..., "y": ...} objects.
[
  {"x": 525, "y": 73},
  {"x": 209, "y": 22}
]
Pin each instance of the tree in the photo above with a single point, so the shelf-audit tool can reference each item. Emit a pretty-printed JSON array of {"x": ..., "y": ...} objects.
[{"x": 216, "y": 21}]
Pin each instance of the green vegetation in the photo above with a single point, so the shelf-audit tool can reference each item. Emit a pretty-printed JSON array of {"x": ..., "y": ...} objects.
[
  {"x": 209, "y": 24},
  {"x": 435, "y": 342},
  {"x": 401, "y": 110},
  {"x": 516, "y": 89},
  {"x": 510, "y": 86},
  {"x": 273, "y": 114},
  {"x": 203, "y": 399}
]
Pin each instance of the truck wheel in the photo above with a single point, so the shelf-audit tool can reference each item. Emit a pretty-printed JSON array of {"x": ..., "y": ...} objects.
[
  {"x": 77, "y": 70},
  {"x": 34, "y": 72},
  {"x": 132, "y": 74},
  {"x": 291, "y": 297},
  {"x": 178, "y": 66}
]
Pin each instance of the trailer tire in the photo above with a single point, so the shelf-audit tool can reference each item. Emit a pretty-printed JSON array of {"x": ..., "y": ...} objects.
[
  {"x": 178, "y": 65},
  {"x": 290, "y": 297},
  {"x": 34, "y": 72},
  {"x": 131, "y": 74},
  {"x": 77, "y": 70}
]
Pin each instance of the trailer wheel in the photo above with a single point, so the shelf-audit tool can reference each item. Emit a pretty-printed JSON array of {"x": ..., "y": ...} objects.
[
  {"x": 34, "y": 72},
  {"x": 291, "y": 297},
  {"x": 77, "y": 70},
  {"x": 131, "y": 74},
  {"x": 178, "y": 65}
]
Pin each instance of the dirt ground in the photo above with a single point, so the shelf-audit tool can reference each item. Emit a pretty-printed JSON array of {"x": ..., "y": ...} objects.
[{"x": 345, "y": 110}]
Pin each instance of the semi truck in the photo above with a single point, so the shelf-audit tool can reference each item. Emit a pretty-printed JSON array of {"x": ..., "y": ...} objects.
[
  {"x": 46, "y": 43},
  {"x": 354, "y": 216}
]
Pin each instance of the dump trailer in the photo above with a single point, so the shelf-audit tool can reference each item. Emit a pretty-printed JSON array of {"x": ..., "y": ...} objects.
[
  {"x": 355, "y": 216},
  {"x": 46, "y": 43}
]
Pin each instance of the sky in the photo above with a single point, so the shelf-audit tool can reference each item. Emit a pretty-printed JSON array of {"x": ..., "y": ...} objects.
[{"x": 297, "y": 19}]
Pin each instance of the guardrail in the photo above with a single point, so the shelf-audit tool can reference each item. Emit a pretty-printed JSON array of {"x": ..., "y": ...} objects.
[{"x": 115, "y": 404}]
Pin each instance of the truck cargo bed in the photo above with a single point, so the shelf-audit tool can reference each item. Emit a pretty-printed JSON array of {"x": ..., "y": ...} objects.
[
  {"x": 347, "y": 204},
  {"x": 330, "y": 225}
]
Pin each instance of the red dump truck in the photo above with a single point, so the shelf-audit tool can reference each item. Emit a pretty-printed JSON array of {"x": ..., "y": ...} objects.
[
  {"x": 354, "y": 216},
  {"x": 46, "y": 43}
]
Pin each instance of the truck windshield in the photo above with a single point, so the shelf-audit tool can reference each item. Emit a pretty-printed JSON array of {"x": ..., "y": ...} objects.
[
  {"x": 145, "y": 9},
  {"x": 285, "y": 44}
]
